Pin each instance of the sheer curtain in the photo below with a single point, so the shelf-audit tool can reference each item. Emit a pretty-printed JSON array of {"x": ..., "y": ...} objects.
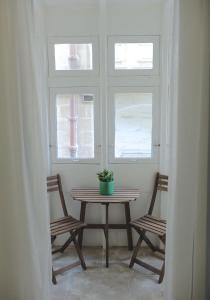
[
  {"x": 189, "y": 95},
  {"x": 25, "y": 247}
]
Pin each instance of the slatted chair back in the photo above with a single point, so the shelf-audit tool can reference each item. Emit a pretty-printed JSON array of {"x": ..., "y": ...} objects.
[
  {"x": 54, "y": 185},
  {"x": 161, "y": 184}
]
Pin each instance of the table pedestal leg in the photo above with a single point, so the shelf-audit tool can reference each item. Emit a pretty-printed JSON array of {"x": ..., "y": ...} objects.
[
  {"x": 82, "y": 219},
  {"x": 129, "y": 230},
  {"x": 107, "y": 235}
]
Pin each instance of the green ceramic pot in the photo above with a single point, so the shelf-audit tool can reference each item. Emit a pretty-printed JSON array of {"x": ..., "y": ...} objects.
[{"x": 106, "y": 188}]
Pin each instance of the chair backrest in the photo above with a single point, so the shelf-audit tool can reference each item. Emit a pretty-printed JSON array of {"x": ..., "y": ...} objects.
[
  {"x": 161, "y": 184},
  {"x": 54, "y": 185}
]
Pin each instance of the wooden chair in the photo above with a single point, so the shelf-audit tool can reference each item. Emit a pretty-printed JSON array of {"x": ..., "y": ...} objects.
[
  {"x": 66, "y": 224},
  {"x": 149, "y": 223}
]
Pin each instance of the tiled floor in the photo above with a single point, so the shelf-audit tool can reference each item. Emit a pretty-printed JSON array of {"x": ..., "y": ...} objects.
[{"x": 118, "y": 282}]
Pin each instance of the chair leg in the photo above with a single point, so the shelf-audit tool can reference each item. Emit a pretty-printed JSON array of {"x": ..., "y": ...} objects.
[
  {"x": 54, "y": 281},
  {"x": 163, "y": 239},
  {"x": 63, "y": 248},
  {"x": 162, "y": 273},
  {"x": 79, "y": 252},
  {"x": 67, "y": 243},
  {"x": 147, "y": 241},
  {"x": 53, "y": 239},
  {"x": 136, "y": 249}
]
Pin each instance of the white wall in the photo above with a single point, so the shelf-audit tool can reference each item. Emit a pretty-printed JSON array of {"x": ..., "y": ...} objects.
[{"x": 101, "y": 18}]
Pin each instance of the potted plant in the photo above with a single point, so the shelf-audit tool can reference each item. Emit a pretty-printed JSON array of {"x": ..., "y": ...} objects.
[{"x": 106, "y": 179}]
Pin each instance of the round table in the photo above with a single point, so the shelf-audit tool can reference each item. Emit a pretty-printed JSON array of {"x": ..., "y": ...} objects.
[{"x": 120, "y": 196}]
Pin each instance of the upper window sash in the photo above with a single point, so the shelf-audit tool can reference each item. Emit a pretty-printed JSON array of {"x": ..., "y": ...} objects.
[
  {"x": 73, "y": 56},
  {"x": 133, "y": 55}
]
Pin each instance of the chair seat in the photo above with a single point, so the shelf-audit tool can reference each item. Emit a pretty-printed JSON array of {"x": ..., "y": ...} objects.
[
  {"x": 64, "y": 225},
  {"x": 151, "y": 224}
]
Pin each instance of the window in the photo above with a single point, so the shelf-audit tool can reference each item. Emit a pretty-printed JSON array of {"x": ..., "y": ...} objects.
[
  {"x": 134, "y": 128},
  {"x": 125, "y": 127},
  {"x": 73, "y": 57},
  {"x": 133, "y": 55},
  {"x": 133, "y": 125},
  {"x": 76, "y": 56},
  {"x": 73, "y": 124}
]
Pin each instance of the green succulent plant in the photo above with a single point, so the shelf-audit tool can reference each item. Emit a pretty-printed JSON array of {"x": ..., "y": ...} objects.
[{"x": 106, "y": 175}]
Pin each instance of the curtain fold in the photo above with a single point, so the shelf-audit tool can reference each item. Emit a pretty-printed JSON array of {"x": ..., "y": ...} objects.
[{"x": 25, "y": 259}]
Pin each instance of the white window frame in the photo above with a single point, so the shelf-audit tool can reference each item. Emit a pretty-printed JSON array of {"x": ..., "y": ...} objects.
[
  {"x": 112, "y": 40},
  {"x": 155, "y": 124},
  {"x": 53, "y": 125},
  {"x": 73, "y": 40}
]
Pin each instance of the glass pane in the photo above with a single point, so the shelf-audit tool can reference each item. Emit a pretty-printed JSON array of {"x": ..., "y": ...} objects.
[
  {"x": 133, "y": 56},
  {"x": 73, "y": 57},
  {"x": 75, "y": 125},
  {"x": 133, "y": 125}
]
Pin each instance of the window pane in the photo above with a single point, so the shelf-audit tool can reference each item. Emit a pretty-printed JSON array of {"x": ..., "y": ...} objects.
[
  {"x": 75, "y": 125},
  {"x": 73, "y": 57},
  {"x": 133, "y": 56},
  {"x": 133, "y": 125}
]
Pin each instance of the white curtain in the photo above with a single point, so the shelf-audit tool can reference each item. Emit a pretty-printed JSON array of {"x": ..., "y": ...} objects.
[
  {"x": 189, "y": 95},
  {"x": 24, "y": 238}
]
